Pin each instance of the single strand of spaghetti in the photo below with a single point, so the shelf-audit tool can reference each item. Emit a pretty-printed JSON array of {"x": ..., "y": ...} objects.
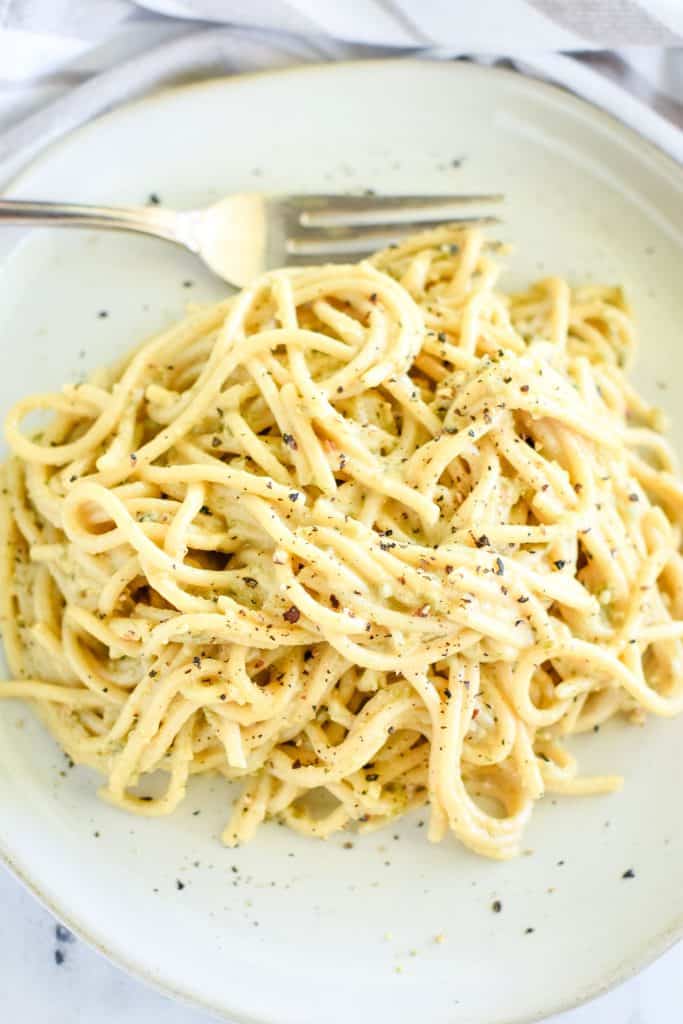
[
  {"x": 207, "y": 627},
  {"x": 175, "y": 542},
  {"x": 249, "y": 811},
  {"x": 404, "y": 392}
]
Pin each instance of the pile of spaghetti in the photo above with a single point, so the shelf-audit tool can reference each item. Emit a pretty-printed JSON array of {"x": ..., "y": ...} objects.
[{"x": 364, "y": 537}]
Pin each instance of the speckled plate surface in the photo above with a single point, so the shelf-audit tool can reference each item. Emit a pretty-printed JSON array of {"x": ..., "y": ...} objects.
[{"x": 287, "y": 930}]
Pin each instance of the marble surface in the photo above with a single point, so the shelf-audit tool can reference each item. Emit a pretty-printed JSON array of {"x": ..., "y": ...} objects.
[{"x": 47, "y": 976}]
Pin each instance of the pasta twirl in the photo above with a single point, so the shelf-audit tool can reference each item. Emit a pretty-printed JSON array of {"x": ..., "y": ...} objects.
[{"x": 364, "y": 537}]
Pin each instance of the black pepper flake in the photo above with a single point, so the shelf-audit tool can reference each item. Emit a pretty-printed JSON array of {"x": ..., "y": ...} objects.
[
  {"x": 334, "y": 600},
  {"x": 63, "y": 934},
  {"x": 179, "y": 885},
  {"x": 524, "y": 387},
  {"x": 633, "y": 497},
  {"x": 103, "y": 314},
  {"x": 442, "y": 336},
  {"x": 347, "y": 845},
  {"x": 292, "y": 614},
  {"x": 152, "y": 673},
  {"x": 372, "y": 777},
  {"x": 294, "y": 496},
  {"x": 290, "y": 441},
  {"x": 630, "y": 873},
  {"x": 559, "y": 564},
  {"x": 500, "y": 568},
  {"x": 250, "y": 581},
  {"x": 153, "y": 199},
  {"x": 188, "y": 284},
  {"x": 59, "y": 957},
  {"x": 447, "y": 694},
  {"x": 296, "y": 763},
  {"x": 522, "y": 600},
  {"x": 482, "y": 541},
  {"x": 215, "y": 441},
  {"x": 197, "y": 661},
  {"x": 133, "y": 457},
  {"x": 529, "y": 931},
  {"x": 373, "y": 297},
  {"x": 496, "y": 906}
]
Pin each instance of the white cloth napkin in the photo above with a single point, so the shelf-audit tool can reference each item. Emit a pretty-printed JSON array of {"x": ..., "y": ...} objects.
[{"x": 63, "y": 62}]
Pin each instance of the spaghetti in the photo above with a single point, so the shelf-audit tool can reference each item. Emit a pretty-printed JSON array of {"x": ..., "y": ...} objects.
[{"x": 363, "y": 537}]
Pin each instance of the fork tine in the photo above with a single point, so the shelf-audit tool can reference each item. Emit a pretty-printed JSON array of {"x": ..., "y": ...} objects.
[
  {"x": 342, "y": 256},
  {"x": 365, "y": 237},
  {"x": 319, "y": 210}
]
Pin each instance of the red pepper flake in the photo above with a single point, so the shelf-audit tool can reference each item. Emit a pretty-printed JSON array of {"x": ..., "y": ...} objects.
[
  {"x": 449, "y": 570},
  {"x": 475, "y": 713},
  {"x": 292, "y": 614}
]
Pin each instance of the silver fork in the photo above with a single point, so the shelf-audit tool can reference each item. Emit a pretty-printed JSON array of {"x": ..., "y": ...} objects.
[{"x": 243, "y": 235}]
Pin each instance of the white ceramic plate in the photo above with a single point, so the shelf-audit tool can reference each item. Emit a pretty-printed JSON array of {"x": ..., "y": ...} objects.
[{"x": 287, "y": 930}]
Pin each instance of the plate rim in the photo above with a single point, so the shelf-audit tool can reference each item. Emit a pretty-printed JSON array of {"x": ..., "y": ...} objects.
[{"x": 622, "y": 133}]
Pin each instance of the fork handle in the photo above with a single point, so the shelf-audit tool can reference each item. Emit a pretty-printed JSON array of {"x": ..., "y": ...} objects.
[{"x": 148, "y": 220}]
